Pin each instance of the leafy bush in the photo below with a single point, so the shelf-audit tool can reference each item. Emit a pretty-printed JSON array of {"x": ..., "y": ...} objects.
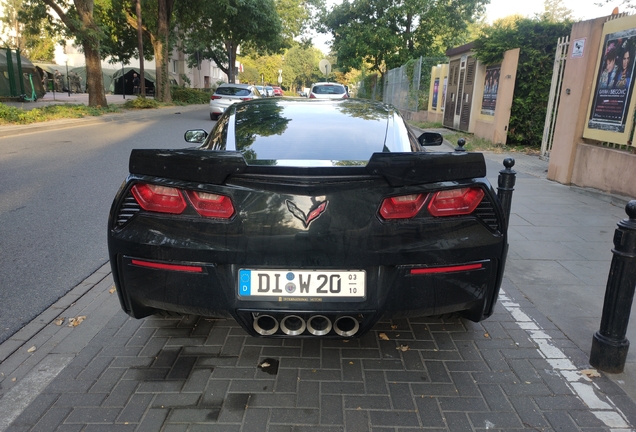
[
  {"x": 537, "y": 40},
  {"x": 13, "y": 115},
  {"x": 141, "y": 103},
  {"x": 190, "y": 96}
]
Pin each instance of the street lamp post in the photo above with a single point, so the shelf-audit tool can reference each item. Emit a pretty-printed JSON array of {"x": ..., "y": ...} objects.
[
  {"x": 68, "y": 80},
  {"x": 123, "y": 81}
]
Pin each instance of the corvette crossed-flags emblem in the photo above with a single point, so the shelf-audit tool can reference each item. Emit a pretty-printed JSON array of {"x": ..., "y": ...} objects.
[{"x": 313, "y": 214}]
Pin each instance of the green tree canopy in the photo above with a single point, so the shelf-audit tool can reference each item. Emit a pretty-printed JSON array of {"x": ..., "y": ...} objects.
[
  {"x": 387, "y": 33},
  {"x": 35, "y": 43},
  {"x": 220, "y": 27},
  {"x": 556, "y": 11},
  {"x": 74, "y": 20}
]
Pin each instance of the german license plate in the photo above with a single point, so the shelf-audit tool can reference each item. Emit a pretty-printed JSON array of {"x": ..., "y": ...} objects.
[{"x": 302, "y": 284}]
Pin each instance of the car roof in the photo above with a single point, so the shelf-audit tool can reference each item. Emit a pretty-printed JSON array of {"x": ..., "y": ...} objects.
[
  {"x": 236, "y": 85},
  {"x": 327, "y": 83},
  {"x": 315, "y": 132}
]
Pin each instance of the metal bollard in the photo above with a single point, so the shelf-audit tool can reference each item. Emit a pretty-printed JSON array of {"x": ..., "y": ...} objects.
[
  {"x": 505, "y": 187},
  {"x": 460, "y": 145},
  {"x": 609, "y": 344}
]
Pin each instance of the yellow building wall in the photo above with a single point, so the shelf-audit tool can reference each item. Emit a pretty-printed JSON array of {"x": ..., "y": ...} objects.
[
  {"x": 489, "y": 127},
  {"x": 439, "y": 72}
]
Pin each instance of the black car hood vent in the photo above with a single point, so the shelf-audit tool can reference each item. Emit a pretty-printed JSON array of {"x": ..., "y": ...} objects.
[{"x": 398, "y": 169}]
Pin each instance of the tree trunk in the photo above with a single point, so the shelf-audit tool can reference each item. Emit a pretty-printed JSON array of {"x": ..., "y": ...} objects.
[
  {"x": 90, "y": 44},
  {"x": 231, "y": 55},
  {"x": 87, "y": 29},
  {"x": 94, "y": 77},
  {"x": 162, "y": 57}
]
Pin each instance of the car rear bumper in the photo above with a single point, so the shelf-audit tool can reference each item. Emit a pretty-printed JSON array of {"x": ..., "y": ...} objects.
[{"x": 391, "y": 291}]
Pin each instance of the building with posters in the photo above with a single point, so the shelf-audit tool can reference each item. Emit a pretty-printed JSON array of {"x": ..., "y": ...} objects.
[
  {"x": 594, "y": 129},
  {"x": 479, "y": 97}
]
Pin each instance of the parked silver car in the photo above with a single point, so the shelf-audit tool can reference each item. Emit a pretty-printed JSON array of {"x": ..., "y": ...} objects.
[{"x": 228, "y": 94}]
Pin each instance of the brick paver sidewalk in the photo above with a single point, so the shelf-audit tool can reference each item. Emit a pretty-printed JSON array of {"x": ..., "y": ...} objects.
[{"x": 514, "y": 371}]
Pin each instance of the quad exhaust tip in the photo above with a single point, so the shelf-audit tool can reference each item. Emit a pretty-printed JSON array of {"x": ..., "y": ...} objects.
[
  {"x": 265, "y": 325},
  {"x": 319, "y": 325},
  {"x": 316, "y": 325},
  {"x": 346, "y": 326},
  {"x": 292, "y": 325}
]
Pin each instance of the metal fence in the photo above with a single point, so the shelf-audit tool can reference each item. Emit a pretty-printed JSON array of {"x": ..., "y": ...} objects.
[
  {"x": 406, "y": 87},
  {"x": 402, "y": 85}
]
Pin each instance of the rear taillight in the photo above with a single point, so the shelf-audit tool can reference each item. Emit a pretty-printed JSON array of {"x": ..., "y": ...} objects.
[
  {"x": 211, "y": 205},
  {"x": 345, "y": 96},
  {"x": 455, "y": 202},
  {"x": 164, "y": 199},
  {"x": 311, "y": 96},
  {"x": 160, "y": 199},
  {"x": 213, "y": 97},
  {"x": 402, "y": 207},
  {"x": 246, "y": 99}
]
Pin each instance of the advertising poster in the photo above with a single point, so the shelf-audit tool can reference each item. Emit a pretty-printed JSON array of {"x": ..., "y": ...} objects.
[
  {"x": 491, "y": 85},
  {"x": 435, "y": 92},
  {"x": 613, "y": 91},
  {"x": 444, "y": 92}
]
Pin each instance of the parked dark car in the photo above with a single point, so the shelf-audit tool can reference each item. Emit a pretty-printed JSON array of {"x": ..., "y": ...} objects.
[{"x": 307, "y": 218}]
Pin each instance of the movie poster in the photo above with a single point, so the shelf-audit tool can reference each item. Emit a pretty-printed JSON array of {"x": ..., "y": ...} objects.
[
  {"x": 613, "y": 83},
  {"x": 491, "y": 85},
  {"x": 444, "y": 92},
  {"x": 435, "y": 91}
]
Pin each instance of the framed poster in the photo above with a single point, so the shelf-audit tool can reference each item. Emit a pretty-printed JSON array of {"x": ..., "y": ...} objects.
[
  {"x": 611, "y": 105},
  {"x": 435, "y": 92},
  {"x": 491, "y": 85}
]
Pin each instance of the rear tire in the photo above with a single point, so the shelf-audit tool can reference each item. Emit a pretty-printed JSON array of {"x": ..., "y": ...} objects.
[{"x": 214, "y": 117}]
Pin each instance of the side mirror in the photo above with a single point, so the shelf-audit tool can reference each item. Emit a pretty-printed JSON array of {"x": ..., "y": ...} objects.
[
  {"x": 195, "y": 136},
  {"x": 430, "y": 139}
]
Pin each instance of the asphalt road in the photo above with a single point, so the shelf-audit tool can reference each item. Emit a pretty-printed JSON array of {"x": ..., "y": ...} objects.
[{"x": 56, "y": 188}]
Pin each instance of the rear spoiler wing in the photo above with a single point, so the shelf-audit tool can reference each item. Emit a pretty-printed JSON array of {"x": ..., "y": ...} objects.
[{"x": 398, "y": 169}]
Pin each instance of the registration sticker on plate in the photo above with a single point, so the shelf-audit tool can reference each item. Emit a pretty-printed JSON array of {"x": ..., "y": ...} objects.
[{"x": 289, "y": 285}]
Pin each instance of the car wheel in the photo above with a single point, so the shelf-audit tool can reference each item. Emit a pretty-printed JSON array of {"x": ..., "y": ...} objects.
[{"x": 214, "y": 116}]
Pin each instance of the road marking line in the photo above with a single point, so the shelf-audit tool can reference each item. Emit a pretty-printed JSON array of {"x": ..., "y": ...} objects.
[
  {"x": 601, "y": 406},
  {"x": 19, "y": 397}
]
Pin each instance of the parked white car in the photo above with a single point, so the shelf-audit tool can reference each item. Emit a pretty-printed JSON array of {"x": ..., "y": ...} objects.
[
  {"x": 328, "y": 90},
  {"x": 228, "y": 94}
]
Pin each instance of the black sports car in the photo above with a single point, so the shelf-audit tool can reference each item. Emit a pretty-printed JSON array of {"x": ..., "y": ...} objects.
[{"x": 308, "y": 219}]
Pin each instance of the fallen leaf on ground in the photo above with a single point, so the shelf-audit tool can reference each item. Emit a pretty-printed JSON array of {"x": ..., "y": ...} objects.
[
  {"x": 403, "y": 348},
  {"x": 74, "y": 322},
  {"x": 112, "y": 289},
  {"x": 59, "y": 321},
  {"x": 264, "y": 365},
  {"x": 393, "y": 327},
  {"x": 13, "y": 379},
  {"x": 591, "y": 373},
  {"x": 486, "y": 335},
  {"x": 30, "y": 350},
  {"x": 383, "y": 336}
]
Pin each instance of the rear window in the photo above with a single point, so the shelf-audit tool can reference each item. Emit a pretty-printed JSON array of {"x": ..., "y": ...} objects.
[
  {"x": 328, "y": 89},
  {"x": 232, "y": 91}
]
